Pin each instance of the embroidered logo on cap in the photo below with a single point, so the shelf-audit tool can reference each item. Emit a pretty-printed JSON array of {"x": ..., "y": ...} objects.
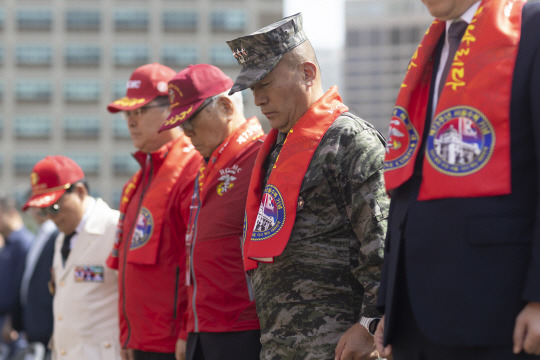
[
  {"x": 43, "y": 200},
  {"x": 128, "y": 102},
  {"x": 173, "y": 91},
  {"x": 179, "y": 118},
  {"x": 133, "y": 84},
  {"x": 241, "y": 55},
  {"x": 34, "y": 178}
]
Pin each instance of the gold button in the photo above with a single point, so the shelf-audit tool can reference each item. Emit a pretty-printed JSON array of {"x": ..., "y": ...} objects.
[
  {"x": 63, "y": 352},
  {"x": 60, "y": 318},
  {"x": 107, "y": 345},
  {"x": 62, "y": 283}
]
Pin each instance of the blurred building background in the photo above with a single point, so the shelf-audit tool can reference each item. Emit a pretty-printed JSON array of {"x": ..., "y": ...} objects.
[
  {"x": 63, "y": 61},
  {"x": 380, "y": 38}
]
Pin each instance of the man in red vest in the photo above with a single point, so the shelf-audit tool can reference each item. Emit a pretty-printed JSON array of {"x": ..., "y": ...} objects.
[
  {"x": 221, "y": 319},
  {"x": 149, "y": 249},
  {"x": 316, "y": 209}
]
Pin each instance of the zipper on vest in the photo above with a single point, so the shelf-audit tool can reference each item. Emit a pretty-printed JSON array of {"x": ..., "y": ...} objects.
[
  {"x": 127, "y": 241},
  {"x": 248, "y": 279},
  {"x": 191, "y": 267}
]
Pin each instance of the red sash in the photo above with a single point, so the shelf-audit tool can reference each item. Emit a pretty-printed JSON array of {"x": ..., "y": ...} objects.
[
  {"x": 467, "y": 151},
  {"x": 144, "y": 244},
  {"x": 270, "y": 215},
  {"x": 214, "y": 176}
]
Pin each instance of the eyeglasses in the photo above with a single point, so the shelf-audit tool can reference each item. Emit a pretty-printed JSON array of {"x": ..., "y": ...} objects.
[
  {"x": 138, "y": 112},
  {"x": 50, "y": 210},
  {"x": 188, "y": 124},
  {"x": 54, "y": 208}
]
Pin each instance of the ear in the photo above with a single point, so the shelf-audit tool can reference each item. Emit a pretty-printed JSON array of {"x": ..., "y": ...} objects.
[
  {"x": 310, "y": 72},
  {"x": 226, "y": 107},
  {"x": 80, "y": 190}
]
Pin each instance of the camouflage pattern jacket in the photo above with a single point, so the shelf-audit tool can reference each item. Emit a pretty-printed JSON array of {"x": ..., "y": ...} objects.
[{"x": 328, "y": 275}]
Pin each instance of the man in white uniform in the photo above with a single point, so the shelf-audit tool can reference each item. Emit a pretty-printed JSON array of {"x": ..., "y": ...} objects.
[{"x": 85, "y": 290}]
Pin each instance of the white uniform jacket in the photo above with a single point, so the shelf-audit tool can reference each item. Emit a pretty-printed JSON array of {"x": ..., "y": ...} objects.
[{"x": 85, "y": 302}]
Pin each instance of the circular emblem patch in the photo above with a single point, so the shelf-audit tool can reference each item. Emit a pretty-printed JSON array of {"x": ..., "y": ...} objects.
[
  {"x": 402, "y": 140},
  {"x": 143, "y": 229},
  {"x": 271, "y": 216},
  {"x": 461, "y": 141}
]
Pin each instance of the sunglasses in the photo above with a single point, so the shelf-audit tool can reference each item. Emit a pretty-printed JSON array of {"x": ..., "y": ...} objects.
[
  {"x": 54, "y": 208},
  {"x": 138, "y": 112},
  {"x": 188, "y": 124}
]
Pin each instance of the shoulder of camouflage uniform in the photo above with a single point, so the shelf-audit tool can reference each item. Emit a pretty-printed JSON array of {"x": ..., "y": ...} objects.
[
  {"x": 359, "y": 141},
  {"x": 350, "y": 121}
]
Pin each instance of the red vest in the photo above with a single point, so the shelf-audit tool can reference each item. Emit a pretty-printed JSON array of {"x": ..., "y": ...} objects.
[
  {"x": 149, "y": 249},
  {"x": 218, "y": 290}
]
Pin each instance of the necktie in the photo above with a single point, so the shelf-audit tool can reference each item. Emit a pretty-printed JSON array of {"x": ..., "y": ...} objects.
[
  {"x": 66, "y": 246},
  {"x": 455, "y": 33}
]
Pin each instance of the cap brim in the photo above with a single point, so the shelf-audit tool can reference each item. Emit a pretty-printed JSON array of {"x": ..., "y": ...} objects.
[
  {"x": 250, "y": 75},
  {"x": 44, "y": 200},
  {"x": 126, "y": 104},
  {"x": 180, "y": 115}
]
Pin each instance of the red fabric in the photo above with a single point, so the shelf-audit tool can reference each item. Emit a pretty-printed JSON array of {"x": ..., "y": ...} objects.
[
  {"x": 467, "y": 110},
  {"x": 284, "y": 183},
  {"x": 218, "y": 292},
  {"x": 152, "y": 298}
]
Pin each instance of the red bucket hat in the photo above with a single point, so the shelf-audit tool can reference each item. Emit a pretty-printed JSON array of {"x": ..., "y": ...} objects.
[
  {"x": 50, "y": 179},
  {"x": 145, "y": 84},
  {"x": 190, "y": 87}
]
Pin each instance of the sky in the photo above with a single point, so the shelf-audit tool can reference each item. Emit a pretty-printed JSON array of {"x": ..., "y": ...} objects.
[{"x": 324, "y": 21}]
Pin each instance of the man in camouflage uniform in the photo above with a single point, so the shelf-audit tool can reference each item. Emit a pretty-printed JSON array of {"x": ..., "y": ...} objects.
[{"x": 316, "y": 210}]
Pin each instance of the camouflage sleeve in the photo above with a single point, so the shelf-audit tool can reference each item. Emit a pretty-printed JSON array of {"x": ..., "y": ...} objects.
[{"x": 366, "y": 202}]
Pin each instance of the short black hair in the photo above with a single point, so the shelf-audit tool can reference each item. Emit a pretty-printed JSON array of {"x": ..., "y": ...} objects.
[{"x": 83, "y": 181}]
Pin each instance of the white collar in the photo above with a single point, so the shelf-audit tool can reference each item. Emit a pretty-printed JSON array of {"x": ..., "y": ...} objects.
[
  {"x": 467, "y": 16},
  {"x": 90, "y": 203}
]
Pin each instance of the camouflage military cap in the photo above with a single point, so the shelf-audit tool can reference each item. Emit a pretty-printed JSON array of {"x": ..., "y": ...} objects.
[{"x": 260, "y": 52}]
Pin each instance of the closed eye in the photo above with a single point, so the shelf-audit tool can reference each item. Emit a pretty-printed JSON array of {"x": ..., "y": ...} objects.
[{"x": 260, "y": 85}]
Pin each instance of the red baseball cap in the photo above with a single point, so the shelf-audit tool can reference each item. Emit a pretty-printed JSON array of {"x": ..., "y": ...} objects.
[
  {"x": 145, "y": 84},
  {"x": 50, "y": 179},
  {"x": 190, "y": 87}
]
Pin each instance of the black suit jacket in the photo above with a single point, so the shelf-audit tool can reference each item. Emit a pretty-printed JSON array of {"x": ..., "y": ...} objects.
[
  {"x": 472, "y": 264},
  {"x": 37, "y": 315}
]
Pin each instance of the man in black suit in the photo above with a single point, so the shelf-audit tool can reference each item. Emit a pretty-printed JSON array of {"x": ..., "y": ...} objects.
[
  {"x": 35, "y": 297},
  {"x": 15, "y": 241},
  {"x": 461, "y": 278}
]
